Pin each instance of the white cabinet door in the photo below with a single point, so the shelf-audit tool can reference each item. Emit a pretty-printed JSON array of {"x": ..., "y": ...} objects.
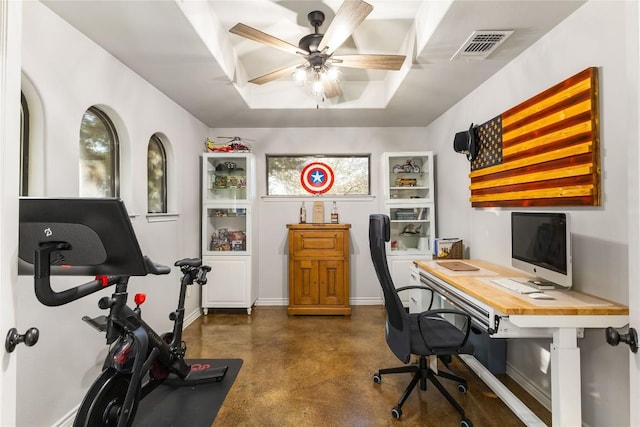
[
  {"x": 226, "y": 230},
  {"x": 227, "y": 177},
  {"x": 227, "y": 283}
]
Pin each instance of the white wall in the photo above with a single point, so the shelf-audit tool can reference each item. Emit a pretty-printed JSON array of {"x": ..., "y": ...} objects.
[
  {"x": 275, "y": 215},
  {"x": 64, "y": 73},
  {"x": 593, "y": 36}
]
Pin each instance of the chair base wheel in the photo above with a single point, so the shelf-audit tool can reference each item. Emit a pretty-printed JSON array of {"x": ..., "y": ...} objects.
[
  {"x": 466, "y": 422},
  {"x": 462, "y": 388},
  {"x": 377, "y": 378},
  {"x": 396, "y": 412}
]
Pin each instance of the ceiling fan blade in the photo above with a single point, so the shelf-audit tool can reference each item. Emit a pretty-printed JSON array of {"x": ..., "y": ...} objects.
[
  {"x": 274, "y": 75},
  {"x": 373, "y": 62},
  {"x": 349, "y": 16},
  {"x": 264, "y": 38},
  {"x": 332, "y": 88}
]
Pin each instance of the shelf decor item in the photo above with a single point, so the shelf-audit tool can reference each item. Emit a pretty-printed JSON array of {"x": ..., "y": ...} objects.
[
  {"x": 409, "y": 166},
  {"x": 450, "y": 248},
  {"x": 334, "y": 214},
  {"x": 543, "y": 151},
  {"x": 303, "y": 214},
  {"x": 317, "y": 178},
  {"x": 318, "y": 212},
  {"x": 231, "y": 144}
]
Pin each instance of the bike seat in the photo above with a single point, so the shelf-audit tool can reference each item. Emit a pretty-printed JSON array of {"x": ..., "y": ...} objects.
[{"x": 191, "y": 262}]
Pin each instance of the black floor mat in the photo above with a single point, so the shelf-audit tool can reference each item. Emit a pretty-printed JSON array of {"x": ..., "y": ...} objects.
[{"x": 189, "y": 406}]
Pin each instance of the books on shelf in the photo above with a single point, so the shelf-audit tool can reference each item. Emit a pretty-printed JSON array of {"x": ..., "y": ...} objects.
[{"x": 411, "y": 214}]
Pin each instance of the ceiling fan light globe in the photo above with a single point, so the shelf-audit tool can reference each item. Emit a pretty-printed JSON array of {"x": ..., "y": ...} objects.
[
  {"x": 299, "y": 76},
  {"x": 333, "y": 74},
  {"x": 317, "y": 88}
]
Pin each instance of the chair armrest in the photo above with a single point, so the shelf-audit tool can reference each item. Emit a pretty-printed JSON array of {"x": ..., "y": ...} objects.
[
  {"x": 423, "y": 288},
  {"x": 456, "y": 345},
  {"x": 404, "y": 288}
]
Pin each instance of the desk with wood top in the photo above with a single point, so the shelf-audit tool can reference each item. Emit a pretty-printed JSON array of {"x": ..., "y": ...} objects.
[{"x": 506, "y": 314}]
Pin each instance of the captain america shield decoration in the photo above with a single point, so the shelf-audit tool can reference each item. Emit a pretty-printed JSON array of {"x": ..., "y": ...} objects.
[{"x": 317, "y": 178}]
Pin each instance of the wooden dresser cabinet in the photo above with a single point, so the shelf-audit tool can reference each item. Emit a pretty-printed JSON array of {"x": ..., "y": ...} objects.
[{"x": 319, "y": 269}]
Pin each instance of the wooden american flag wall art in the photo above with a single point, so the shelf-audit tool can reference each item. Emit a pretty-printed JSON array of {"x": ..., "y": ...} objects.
[{"x": 543, "y": 152}]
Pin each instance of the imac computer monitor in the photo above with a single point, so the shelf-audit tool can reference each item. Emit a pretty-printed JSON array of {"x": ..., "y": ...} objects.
[
  {"x": 541, "y": 246},
  {"x": 97, "y": 232}
]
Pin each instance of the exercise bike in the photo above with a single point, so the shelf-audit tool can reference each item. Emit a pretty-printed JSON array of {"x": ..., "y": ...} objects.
[{"x": 139, "y": 359}]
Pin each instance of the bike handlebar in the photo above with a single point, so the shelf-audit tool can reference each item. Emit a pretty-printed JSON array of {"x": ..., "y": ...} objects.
[
  {"x": 42, "y": 273},
  {"x": 51, "y": 298},
  {"x": 154, "y": 268},
  {"x": 202, "y": 275}
]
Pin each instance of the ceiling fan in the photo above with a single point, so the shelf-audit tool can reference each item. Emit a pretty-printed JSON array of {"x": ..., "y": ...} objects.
[{"x": 318, "y": 50}]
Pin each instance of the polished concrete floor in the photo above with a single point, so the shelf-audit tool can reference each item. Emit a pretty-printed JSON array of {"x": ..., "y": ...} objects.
[{"x": 317, "y": 371}]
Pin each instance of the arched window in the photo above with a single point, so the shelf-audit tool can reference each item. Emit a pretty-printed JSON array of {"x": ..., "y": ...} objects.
[
  {"x": 156, "y": 176},
  {"x": 99, "y": 160},
  {"x": 24, "y": 146}
]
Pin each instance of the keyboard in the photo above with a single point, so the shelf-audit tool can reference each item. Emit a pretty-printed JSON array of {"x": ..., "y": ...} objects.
[{"x": 515, "y": 286}]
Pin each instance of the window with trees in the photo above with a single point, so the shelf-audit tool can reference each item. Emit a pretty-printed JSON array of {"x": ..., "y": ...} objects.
[
  {"x": 156, "y": 176},
  {"x": 351, "y": 174},
  {"x": 99, "y": 158}
]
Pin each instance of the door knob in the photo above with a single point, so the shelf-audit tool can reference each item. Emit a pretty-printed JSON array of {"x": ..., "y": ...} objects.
[
  {"x": 14, "y": 338},
  {"x": 614, "y": 338}
]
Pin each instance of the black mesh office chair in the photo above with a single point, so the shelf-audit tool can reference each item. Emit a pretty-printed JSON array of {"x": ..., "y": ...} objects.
[{"x": 422, "y": 334}]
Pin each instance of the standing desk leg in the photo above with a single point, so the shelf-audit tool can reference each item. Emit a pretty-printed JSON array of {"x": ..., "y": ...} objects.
[{"x": 566, "y": 398}]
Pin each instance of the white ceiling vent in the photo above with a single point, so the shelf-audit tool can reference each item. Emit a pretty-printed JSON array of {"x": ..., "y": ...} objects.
[{"x": 481, "y": 44}]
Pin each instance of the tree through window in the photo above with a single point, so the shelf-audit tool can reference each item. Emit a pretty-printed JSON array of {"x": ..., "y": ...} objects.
[
  {"x": 98, "y": 155},
  {"x": 156, "y": 176}
]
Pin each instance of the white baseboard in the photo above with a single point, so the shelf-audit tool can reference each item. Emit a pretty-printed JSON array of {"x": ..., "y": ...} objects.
[
  {"x": 367, "y": 301},
  {"x": 67, "y": 420},
  {"x": 530, "y": 387},
  {"x": 276, "y": 302},
  {"x": 191, "y": 317}
]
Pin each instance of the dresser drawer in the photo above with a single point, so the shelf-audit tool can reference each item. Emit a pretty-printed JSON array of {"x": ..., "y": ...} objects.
[{"x": 310, "y": 243}]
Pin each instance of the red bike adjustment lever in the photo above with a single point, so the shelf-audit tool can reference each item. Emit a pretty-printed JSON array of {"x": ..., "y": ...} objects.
[{"x": 139, "y": 298}]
